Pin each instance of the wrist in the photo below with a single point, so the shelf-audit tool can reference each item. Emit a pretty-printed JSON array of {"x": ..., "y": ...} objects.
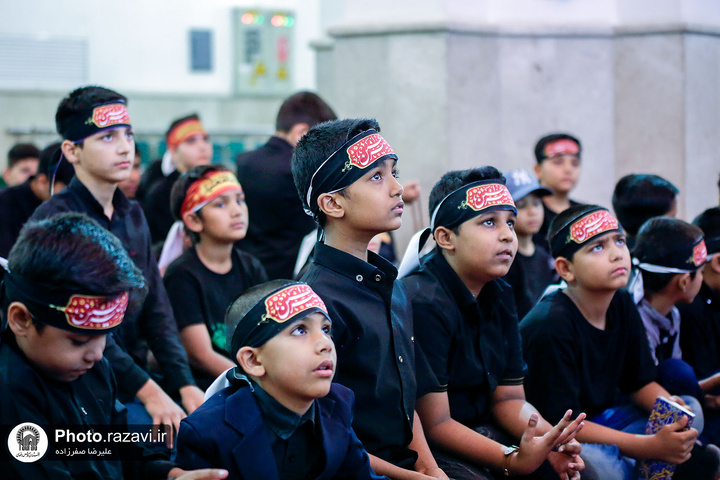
[{"x": 509, "y": 453}]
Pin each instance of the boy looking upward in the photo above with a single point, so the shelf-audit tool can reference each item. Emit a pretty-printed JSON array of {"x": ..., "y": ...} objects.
[
  {"x": 345, "y": 174},
  {"x": 466, "y": 324},
  {"x": 584, "y": 343},
  {"x": 281, "y": 417},
  {"x": 98, "y": 142},
  {"x": 207, "y": 277},
  {"x": 557, "y": 168},
  {"x": 67, "y": 288}
]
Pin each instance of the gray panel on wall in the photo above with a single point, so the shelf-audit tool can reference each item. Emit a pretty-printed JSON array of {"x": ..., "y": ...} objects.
[{"x": 31, "y": 62}]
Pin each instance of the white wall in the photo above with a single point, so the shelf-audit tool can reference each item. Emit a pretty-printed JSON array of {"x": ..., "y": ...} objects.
[{"x": 143, "y": 45}]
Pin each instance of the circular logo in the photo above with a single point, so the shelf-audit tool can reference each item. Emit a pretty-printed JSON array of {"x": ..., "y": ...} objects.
[{"x": 27, "y": 442}]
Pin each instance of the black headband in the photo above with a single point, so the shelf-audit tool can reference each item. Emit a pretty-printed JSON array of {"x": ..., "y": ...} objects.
[
  {"x": 713, "y": 245},
  {"x": 346, "y": 166},
  {"x": 471, "y": 200},
  {"x": 94, "y": 119},
  {"x": 581, "y": 229},
  {"x": 683, "y": 259},
  {"x": 68, "y": 309},
  {"x": 274, "y": 312}
]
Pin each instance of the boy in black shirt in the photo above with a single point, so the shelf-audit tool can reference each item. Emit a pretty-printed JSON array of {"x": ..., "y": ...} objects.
[
  {"x": 207, "y": 277},
  {"x": 67, "y": 289},
  {"x": 466, "y": 324},
  {"x": 584, "y": 343},
  {"x": 345, "y": 174},
  {"x": 95, "y": 124}
]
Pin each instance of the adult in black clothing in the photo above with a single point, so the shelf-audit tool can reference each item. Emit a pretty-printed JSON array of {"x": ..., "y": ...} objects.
[
  {"x": 277, "y": 222},
  {"x": 99, "y": 143},
  {"x": 189, "y": 146},
  {"x": 18, "y": 203}
]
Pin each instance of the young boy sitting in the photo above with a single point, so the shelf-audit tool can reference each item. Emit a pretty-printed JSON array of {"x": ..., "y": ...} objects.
[
  {"x": 281, "y": 417},
  {"x": 345, "y": 173},
  {"x": 639, "y": 197},
  {"x": 557, "y": 168},
  {"x": 98, "y": 142},
  {"x": 670, "y": 255},
  {"x": 207, "y": 277},
  {"x": 584, "y": 343},
  {"x": 466, "y": 324},
  {"x": 700, "y": 326},
  {"x": 533, "y": 269},
  {"x": 67, "y": 288}
]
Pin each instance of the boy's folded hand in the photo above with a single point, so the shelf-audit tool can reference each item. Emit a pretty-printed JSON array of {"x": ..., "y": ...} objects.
[{"x": 673, "y": 443}]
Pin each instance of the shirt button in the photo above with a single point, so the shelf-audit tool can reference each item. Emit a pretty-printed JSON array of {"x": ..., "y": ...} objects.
[
  {"x": 412, "y": 339},
  {"x": 400, "y": 358},
  {"x": 378, "y": 277},
  {"x": 359, "y": 278}
]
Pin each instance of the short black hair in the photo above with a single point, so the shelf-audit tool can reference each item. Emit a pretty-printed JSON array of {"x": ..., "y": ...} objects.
[
  {"x": 640, "y": 197},
  {"x": 80, "y": 100},
  {"x": 74, "y": 250},
  {"x": 303, "y": 107},
  {"x": 245, "y": 302},
  {"x": 22, "y": 151},
  {"x": 562, "y": 218},
  {"x": 178, "y": 121},
  {"x": 455, "y": 179},
  {"x": 554, "y": 137},
  {"x": 49, "y": 158},
  {"x": 709, "y": 222},
  {"x": 180, "y": 188},
  {"x": 658, "y": 237},
  {"x": 318, "y": 144}
]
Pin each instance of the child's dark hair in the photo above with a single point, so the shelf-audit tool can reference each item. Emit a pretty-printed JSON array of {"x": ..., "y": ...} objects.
[
  {"x": 540, "y": 145},
  {"x": 657, "y": 238},
  {"x": 49, "y": 158},
  {"x": 245, "y": 302},
  {"x": 638, "y": 198},
  {"x": 709, "y": 222},
  {"x": 562, "y": 218},
  {"x": 22, "y": 151},
  {"x": 303, "y": 107},
  {"x": 318, "y": 144},
  {"x": 455, "y": 179},
  {"x": 176, "y": 122},
  {"x": 180, "y": 189},
  {"x": 72, "y": 249},
  {"x": 80, "y": 100}
]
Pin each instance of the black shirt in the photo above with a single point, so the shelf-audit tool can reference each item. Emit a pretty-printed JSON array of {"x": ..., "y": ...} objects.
[
  {"x": 200, "y": 296},
  {"x": 472, "y": 344},
  {"x": 146, "y": 323},
  {"x": 157, "y": 207},
  {"x": 277, "y": 220},
  {"x": 373, "y": 335},
  {"x": 529, "y": 277},
  {"x": 700, "y": 332},
  {"x": 91, "y": 399},
  {"x": 572, "y": 364},
  {"x": 17, "y": 204}
]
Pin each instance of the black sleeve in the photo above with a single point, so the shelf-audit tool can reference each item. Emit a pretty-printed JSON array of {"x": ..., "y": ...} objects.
[
  {"x": 639, "y": 367},
  {"x": 124, "y": 367},
  {"x": 185, "y": 296},
  {"x": 160, "y": 329},
  {"x": 435, "y": 340}
]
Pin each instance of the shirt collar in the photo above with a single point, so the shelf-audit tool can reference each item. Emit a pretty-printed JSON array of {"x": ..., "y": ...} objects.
[
  {"x": 437, "y": 263},
  {"x": 669, "y": 324},
  {"x": 279, "y": 419},
  {"x": 120, "y": 203},
  {"x": 377, "y": 271}
]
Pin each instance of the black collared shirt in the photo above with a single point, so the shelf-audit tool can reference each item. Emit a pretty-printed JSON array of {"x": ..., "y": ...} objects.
[
  {"x": 472, "y": 344},
  {"x": 146, "y": 323},
  {"x": 277, "y": 220},
  {"x": 700, "y": 332},
  {"x": 17, "y": 204},
  {"x": 297, "y": 439},
  {"x": 373, "y": 335}
]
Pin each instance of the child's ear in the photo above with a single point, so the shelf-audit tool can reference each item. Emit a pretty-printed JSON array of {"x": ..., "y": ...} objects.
[
  {"x": 564, "y": 268},
  {"x": 297, "y": 131},
  {"x": 330, "y": 206},
  {"x": 714, "y": 263},
  {"x": 193, "y": 222},
  {"x": 537, "y": 170},
  {"x": 248, "y": 359},
  {"x": 445, "y": 238},
  {"x": 19, "y": 319},
  {"x": 682, "y": 281},
  {"x": 69, "y": 150}
]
